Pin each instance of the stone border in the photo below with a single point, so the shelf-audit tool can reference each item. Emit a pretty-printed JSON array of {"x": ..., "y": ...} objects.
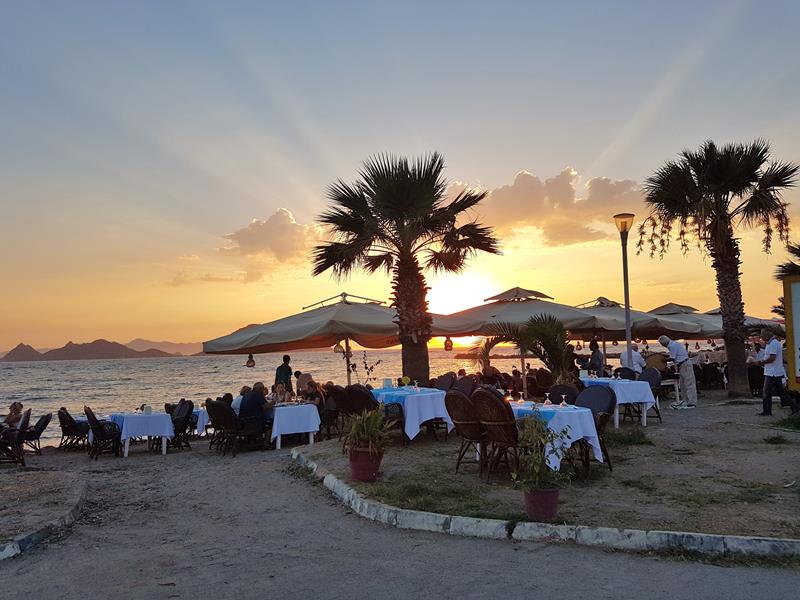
[
  {"x": 26, "y": 541},
  {"x": 636, "y": 540}
]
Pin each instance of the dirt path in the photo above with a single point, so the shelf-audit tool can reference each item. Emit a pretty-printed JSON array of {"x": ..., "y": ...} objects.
[{"x": 195, "y": 525}]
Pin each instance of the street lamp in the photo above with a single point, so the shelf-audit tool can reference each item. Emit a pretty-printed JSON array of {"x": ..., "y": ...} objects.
[{"x": 624, "y": 222}]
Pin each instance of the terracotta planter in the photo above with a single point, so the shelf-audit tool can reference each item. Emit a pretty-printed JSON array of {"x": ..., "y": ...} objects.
[
  {"x": 364, "y": 466},
  {"x": 541, "y": 505}
]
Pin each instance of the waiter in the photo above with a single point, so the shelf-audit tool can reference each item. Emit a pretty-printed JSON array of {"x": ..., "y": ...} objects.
[{"x": 686, "y": 382}]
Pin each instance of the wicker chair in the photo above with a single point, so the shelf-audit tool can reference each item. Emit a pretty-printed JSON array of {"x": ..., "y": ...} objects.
[
  {"x": 74, "y": 435},
  {"x": 497, "y": 420},
  {"x": 32, "y": 435},
  {"x": 544, "y": 379},
  {"x": 465, "y": 385},
  {"x": 328, "y": 416},
  {"x": 106, "y": 436},
  {"x": 467, "y": 425},
  {"x": 12, "y": 441},
  {"x": 601, "y": 400},
  {"x": 563, "y": 389},
  {"x": 182, "y": 425}
]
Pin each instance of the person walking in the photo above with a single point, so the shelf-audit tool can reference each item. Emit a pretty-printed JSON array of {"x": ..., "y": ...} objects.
[
  {"x": 686, "y": 381},
  {"x": 773, "y": 374},
  {"x": 283, "y": 374}
]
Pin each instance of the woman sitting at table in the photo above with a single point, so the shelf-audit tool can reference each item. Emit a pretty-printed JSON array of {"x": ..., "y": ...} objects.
[
  {"x": 596, "y": 359},
  {"x": 280, "y": 394},
  {"x": 14, "y": 414}
]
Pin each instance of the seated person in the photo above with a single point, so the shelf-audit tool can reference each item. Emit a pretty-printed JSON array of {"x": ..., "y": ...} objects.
[
  {"x": 516, "y": 380},
  {"x": 254, "y": 404},
  {"x": 280, "y": 394},
  {"x": 461, "y": 374},
  {"x": 302, "y": 382},
  {"x": 14, "y": 414},
  {"x": 237, "y": 402},
  {"x": 315, "y": 395}
]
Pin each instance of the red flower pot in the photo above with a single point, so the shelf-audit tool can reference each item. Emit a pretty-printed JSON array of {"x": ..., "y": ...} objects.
[
  {"x": 541, "y": 505},
  {"x": 364, "y": 466}
]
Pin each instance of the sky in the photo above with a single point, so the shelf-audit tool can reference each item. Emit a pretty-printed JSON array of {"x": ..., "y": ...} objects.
[{"x": 162, "y": 164}]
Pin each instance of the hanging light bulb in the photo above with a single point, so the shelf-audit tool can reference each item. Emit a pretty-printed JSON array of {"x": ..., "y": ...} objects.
[
  {"x": 713, "y": 344},
  {"x": 448, "y": 344},
  {"x": 615, "y": 343},
  {"x": 338, "y": 349},
  {"x": 578, "y": 347}
]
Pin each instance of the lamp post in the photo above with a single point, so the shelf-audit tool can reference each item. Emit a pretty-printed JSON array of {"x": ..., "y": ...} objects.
[{"x": 624, "y": 222}]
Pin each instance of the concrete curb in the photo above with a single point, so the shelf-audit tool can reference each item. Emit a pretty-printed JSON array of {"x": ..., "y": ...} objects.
[
  {"x": 26, "y": 541},
  {"x": 636, "y": 540}
]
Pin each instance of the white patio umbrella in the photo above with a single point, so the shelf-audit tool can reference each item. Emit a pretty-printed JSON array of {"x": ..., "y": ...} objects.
[
  {"x": 367, "y": 322},
  {"x": 748, "y": 320},
  {"x": 643, "y": 324},
  {"x": 710, "y": 325},
  {"x": 517, "y": 294}
]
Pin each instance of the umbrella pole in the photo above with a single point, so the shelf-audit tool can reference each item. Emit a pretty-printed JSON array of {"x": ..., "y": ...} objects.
[
  {"x": 524, "y": 375},
  {"x": 605, "y": 360},
  {"x": 347, "y": 358}
]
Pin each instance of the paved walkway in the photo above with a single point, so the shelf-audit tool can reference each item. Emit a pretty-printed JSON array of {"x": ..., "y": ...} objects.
[{"x": 194, "y": 525}]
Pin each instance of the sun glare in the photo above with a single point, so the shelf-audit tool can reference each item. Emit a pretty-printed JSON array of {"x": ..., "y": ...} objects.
[{"x": 452, "y": 293}]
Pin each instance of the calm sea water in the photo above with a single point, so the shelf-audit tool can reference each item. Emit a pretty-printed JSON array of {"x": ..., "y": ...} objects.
[{"x": 122, "y": 385}]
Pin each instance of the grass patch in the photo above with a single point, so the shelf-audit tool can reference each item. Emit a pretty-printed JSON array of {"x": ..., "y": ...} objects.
[
  {"x": 790, "y": 422},
  {"x": 639, "y": 484},
  {"x": 776, "y": 440},
  {"x": 727, "y": 560},
  {"x": 634, "y": 436},
  {"x": 741, "y": 492}
]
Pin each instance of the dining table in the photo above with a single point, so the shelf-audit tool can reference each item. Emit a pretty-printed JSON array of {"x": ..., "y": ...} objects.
[
  {"x": 134, "y": 425},
  {"x": 627, "y": 392},
  {"x": 294, "y": 418},
  {"x": 419, "y": 405},
  {"x": 574, "y": 422}
]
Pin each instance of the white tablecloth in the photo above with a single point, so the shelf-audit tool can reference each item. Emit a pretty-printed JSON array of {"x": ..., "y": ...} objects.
[
  {"x": 202, "y": 420},
  {"x": 577, "y": 422},
  {"x": 418, "y": 406},
  {"x": 303, "y": 418},
  {"x": 140, "y": 425},
  {"x": 627, "y": 392}
]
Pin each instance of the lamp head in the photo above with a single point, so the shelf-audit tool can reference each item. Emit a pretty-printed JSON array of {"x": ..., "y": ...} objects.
[{"x": 624, "y": 222}]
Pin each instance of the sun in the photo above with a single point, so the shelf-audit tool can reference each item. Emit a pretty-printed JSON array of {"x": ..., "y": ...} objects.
[{"x": 452, "y": 293}]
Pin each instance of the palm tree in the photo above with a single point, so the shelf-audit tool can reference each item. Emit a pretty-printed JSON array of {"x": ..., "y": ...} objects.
[
  {"x": 395, "y": 218},
  {"x": 543, "y": 336},
  {"x": 791, "y": 268},
  {"x": 707, "y": 195}
]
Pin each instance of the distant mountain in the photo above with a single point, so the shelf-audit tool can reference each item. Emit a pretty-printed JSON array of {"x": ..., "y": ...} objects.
[
  {"x": 98, "y": 349},
  {"x": 21, "y": 353},
  {"x": 183, "y": 348}
]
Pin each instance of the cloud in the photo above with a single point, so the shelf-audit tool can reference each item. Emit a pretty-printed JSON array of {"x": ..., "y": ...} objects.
[
  {"x": 280, "y": 236},
  {"x": 189, "y": 258},
  {"x": 182, "y": 278},
  {"x": 555, "y": 206}
]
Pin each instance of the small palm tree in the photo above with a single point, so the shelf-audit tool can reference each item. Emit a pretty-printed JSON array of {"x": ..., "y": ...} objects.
[
  {"x": 707, "y": 195},
  {"x": 395, "y": 218},
  {"x": 791, "y": 268},
  {"x": 543, "y": 336}
]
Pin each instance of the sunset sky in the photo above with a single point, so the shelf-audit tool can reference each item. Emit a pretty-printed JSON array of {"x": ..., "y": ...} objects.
[{"x": 162, "y": 164}]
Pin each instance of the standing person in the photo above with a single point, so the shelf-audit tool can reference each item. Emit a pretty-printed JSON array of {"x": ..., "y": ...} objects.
[
  {"x": 596, "y": 359},
  {"x": 637, "y": 364},
  {"x": 688, "y": 387},
  {"x": 773, "y": 374},
  {"x": 250, "y": 362},
  {"x": 283, "y": 374}
]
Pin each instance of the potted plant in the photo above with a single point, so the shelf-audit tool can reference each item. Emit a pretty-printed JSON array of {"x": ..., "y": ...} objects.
[
  {"x": 538, "y": 482},
  {"x": 365, "y": 443}
]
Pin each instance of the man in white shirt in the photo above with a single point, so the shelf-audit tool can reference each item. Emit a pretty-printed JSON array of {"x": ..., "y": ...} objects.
[
  {"x": 773, "y": 372},
  {"x": 686, "y": 382},
  {"x": 637, "y": 362}
]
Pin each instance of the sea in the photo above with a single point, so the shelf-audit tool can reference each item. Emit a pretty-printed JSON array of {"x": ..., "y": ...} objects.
[{"x": 122, "y": 385}]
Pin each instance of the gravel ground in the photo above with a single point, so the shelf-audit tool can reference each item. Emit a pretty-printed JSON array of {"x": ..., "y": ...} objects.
[{"x": 196, "y": 525}]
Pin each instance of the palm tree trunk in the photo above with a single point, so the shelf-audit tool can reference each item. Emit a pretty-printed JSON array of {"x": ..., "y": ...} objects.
[
  {"x": 409, "y": 297},
  {"x": 729, "y": 291}
]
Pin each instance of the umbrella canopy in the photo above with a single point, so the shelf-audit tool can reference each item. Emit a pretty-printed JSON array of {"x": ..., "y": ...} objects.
[
  {"x": 478, "y": 320},
  {"x": 643, "y": 324},
  {"x": 516, "y": 294},
  {"x": 370, "y": 324},
  {"x": 748, "y": 320},
  {"x": 710, "y": 325}
]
